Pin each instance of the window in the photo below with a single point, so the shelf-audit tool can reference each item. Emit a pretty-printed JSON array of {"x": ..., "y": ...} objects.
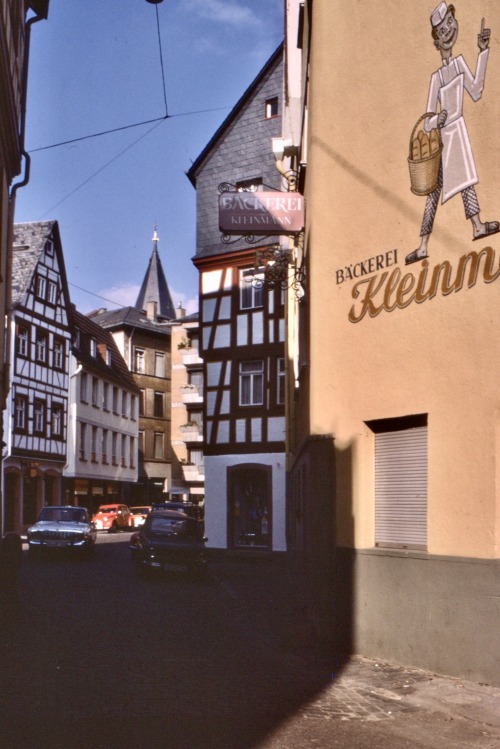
[
  {"x": 124, "y": 402},
  {"x": 158, "y": 405},
  {"x": 141, "y": 402},
  {"x": 52, "y": 292},
  {"x": 104, "y": 446},
  {"x": 57, "y": 420},
  {"x": 115, "y": 399},
  {"x": 271, "y": 107},
  {"x": 83, "y": 387},
  {"x": 93, "y": 448},
  {"x": 124, "y": 449},
  {"x": 78, "y": 336},
  {"x": 39, "y": 417},
  {"x": 251, "y": 383},
  {"x": 83, "y": 439},
  {"x": 41, "y": 287},
  {"x": 93, "y": 348},
  {"x": 159, "y": 364},
  {"x": 20, "y": 413},
  {"x": 105, "y": 396},
  {"x": 114, "y": 439},
  {"x": 41, "y": 347},
  {"x": 49, "y": 248},
  {"x": 281, "y": 381},
  {"x": 132, "y": 452},
  {"x": 132, "y": 406},
  {"x": 58, "y": 357},
  {"x": 22, "y": 341},
  {"x": 158, "y": 446},
  {"x": 95, "y": 391},
  {"x": 249, "y": 185},
  {"x": 401, "y": 482},
  {"x": 250, "y": 295},
  {"x": 139, "y": 361},
  {"x": 196, "y": 457},
  {"x": 109, "y": 356},
  {"x": 141, "y": 444}
]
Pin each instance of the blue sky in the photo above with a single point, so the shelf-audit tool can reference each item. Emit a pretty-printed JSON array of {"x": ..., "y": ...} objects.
[{"x": 95, "y": 66}]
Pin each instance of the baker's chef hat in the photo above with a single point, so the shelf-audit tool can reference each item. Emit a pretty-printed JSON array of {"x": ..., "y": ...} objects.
[{"x": 438, "y": 14}]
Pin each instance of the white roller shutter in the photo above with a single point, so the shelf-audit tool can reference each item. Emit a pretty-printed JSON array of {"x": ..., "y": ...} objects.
[{"x": 401, "y": 488}]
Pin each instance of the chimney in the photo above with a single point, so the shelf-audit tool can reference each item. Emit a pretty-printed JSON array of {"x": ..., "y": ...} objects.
[
  {"x": 152, "y": 310},
  {"x": 180, "y": 311}
]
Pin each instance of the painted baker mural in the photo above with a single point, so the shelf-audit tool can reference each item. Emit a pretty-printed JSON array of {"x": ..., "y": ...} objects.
[{"x": 457, "y": 170}]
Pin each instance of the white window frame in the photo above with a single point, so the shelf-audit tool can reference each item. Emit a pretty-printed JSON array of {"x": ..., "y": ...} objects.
[{"x": 251, "y": 383}]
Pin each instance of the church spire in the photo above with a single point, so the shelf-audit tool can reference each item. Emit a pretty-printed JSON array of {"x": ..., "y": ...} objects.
[{"x": 155, "y": 287}]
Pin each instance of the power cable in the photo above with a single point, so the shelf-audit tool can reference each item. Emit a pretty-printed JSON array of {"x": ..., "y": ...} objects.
[
  {"x": 111, "y": 301},
  {"x": 102, "y": 168}
]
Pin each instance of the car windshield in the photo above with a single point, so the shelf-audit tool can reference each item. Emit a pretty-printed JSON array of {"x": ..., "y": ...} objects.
[
  {"x": 168, "y": 526},
  {"x": 63, "y": 514},
  {"x": 106, "y": 510}
]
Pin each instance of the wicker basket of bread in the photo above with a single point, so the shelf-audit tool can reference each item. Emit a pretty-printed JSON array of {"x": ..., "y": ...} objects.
[{"x": 424, "y": 158}]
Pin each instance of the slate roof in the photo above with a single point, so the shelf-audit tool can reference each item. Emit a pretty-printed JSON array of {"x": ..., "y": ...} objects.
[
  {"x": 29, "y": 243},
  {"x": 28, "y": 246},
  {"x": 155, "y": 287},
  {"x": 193, "y": 170},
  {"x": 129, "y": 317},
  {"x": 118, "y": 370}
]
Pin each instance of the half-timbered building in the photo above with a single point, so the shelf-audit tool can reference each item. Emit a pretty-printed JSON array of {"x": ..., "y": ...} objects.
[
  {"x": 242, "y": 332},
  {"x": 37, "y": 407},
  {"x": 102, "y": 461}
]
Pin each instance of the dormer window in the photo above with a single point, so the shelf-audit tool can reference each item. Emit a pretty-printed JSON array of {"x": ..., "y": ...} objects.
[
  {"x": 271, "y": 107},
  {"x": 49, "y": 248},
  {"x": 93, "y": 348}
]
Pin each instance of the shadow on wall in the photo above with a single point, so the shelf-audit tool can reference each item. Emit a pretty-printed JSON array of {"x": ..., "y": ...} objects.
[{"x": 323, "y": 572}]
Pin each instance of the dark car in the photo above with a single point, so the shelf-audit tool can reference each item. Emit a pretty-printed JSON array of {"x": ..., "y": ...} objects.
[
  {"x": 170, "y": 540},
  {"x": 62, "y": 527},
  {"x": 189, "y": 508}
]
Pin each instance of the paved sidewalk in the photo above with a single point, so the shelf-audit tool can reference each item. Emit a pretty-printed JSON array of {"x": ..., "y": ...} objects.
[{"x": 372, "y": 705}]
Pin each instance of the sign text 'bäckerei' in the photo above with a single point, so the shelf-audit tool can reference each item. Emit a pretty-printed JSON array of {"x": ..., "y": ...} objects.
[{"x": 261, "y": 213}]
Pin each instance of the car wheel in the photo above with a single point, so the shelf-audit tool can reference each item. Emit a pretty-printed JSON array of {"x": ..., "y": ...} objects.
[{"x": 113, "y": 528}]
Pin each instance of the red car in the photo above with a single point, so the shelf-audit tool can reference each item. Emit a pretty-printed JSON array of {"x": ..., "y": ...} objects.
[{"x": 113, "y": 518}]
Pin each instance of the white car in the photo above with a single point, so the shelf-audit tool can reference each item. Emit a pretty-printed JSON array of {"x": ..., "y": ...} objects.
[{"x": 62, "y": 527}]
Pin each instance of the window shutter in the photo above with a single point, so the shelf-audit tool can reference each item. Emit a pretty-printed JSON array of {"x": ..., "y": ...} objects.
[{"x": 401, "y": 488}]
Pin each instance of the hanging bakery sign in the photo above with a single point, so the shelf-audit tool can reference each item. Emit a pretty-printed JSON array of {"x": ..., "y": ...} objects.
[{"x": 261, "y": 213}]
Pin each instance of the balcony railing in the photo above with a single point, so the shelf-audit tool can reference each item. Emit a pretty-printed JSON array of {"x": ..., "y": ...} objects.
[
  {"x": 193, "y": 473},
  {"x": 191, "y": 433},
  {"x": 191, "y": 394}
]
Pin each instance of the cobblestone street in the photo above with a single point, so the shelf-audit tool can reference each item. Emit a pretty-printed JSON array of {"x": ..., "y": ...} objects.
[{"x": 98, "y": 657}]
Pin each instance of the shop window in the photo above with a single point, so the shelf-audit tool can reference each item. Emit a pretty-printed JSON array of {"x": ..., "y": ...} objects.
[{"x": 250, "y": 506}]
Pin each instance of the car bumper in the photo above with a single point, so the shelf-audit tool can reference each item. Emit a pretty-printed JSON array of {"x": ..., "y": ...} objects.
[{"x": 60, "y": 543}]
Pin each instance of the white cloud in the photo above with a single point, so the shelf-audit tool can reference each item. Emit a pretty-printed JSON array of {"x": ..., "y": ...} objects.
[{"x": 225, "y": 11}]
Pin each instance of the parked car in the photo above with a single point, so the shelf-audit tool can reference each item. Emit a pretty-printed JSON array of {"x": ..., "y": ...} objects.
[
  {"x": 113, "y": 518},
  {"x": 139, "y": 514},
  {"x": 190, "y": 508},
  {"x": 62, "y": 527},
  {"x": 170, "y": 540}
]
